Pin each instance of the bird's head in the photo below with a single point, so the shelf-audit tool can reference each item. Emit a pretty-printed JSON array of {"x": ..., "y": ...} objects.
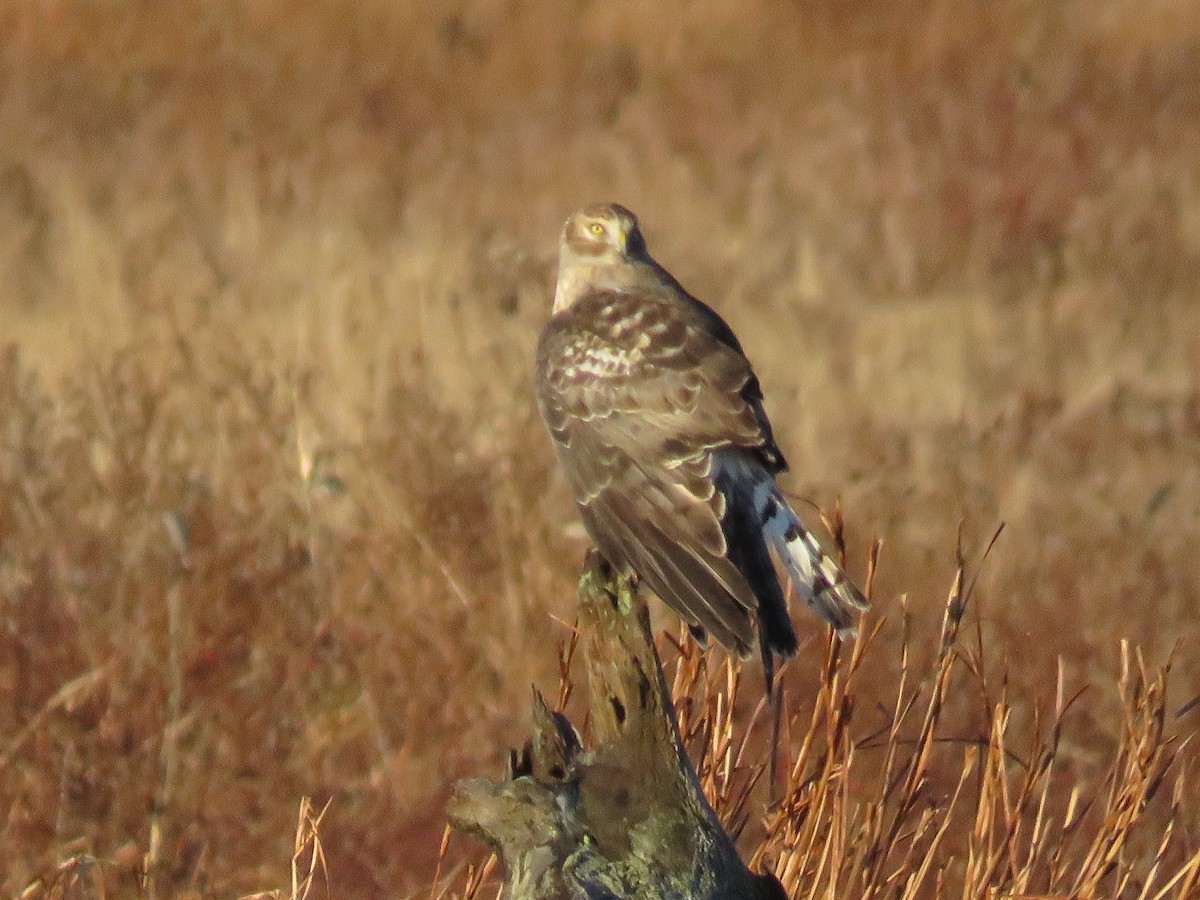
[
  {"x": 602, "y": 232},
  {"x": 599, "y": 242}
]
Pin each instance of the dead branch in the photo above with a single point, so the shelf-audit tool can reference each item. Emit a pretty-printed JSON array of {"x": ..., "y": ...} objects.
[{"x": 625, "y": 817}]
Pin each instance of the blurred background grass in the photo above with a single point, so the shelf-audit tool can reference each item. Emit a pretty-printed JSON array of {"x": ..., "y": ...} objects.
[{"x": 276, "y": 515}]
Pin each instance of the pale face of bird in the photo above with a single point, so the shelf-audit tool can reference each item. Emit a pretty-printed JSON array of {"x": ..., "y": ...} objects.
[{"x": 600, "y": 237}]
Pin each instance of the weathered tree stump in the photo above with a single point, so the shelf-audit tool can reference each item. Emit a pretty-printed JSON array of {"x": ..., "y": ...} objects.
[{"x": 625, "y": 818}]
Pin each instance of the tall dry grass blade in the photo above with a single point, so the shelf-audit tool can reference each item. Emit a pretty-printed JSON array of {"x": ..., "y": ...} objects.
[
  {"x": 1187, "y": 878},
  {"x": 920, "y": 871},
  {"x": 169, "y": 757},
  {"x": 75, "y": 691},
  {"x": 436, "y": 889},
  {"x": 308, "y": 856}
]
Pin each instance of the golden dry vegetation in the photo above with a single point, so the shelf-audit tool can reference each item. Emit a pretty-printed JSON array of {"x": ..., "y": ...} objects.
[{"x": 277, "y": 518}]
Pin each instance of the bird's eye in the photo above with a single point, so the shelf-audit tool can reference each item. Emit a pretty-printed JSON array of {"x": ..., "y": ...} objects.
[{"x": 596, "y": 228}]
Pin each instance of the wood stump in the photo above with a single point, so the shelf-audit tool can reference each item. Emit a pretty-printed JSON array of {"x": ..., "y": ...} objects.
[{"x": 625, "y": 818}]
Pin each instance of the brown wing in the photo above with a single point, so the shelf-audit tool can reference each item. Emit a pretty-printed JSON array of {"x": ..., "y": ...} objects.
[{"x": 637, "y": 392}]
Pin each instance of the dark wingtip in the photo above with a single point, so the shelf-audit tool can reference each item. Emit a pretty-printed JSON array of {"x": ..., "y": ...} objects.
[
  {"x": 775, "y": 631},
  {"x": 768, "y": 664},
  {"x": 775, "y": 639}
]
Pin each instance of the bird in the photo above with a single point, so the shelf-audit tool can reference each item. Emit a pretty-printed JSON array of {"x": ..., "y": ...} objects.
[{"x": 658, "y": 422}]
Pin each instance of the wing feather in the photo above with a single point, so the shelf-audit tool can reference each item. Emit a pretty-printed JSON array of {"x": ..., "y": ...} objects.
[
  {"x": 676, "y": 573},
  {"x": 637, "y": 392}
]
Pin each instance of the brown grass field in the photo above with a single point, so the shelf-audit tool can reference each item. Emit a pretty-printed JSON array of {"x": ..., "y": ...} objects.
[{"x": 278, "y": 519}]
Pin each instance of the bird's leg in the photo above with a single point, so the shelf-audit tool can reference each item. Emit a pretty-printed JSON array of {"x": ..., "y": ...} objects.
[{"x": 773, "y": 762}]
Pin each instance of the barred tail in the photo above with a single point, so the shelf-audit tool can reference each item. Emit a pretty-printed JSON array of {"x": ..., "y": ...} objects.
[{"x": 812, "y": 572}]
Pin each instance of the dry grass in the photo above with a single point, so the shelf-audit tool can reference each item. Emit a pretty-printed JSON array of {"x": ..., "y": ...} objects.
[
  {"x": 276, "y": 519},
  {"x": 888, "y": 791}
]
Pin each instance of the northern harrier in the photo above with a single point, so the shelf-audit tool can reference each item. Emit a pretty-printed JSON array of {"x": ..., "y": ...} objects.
[{"x": 658, "y": 422}]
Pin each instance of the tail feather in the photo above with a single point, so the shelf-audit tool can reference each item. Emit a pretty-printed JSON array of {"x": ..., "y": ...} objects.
[
  {"x": 812, "y": 572},
  {"x": 767, "y": 540}
]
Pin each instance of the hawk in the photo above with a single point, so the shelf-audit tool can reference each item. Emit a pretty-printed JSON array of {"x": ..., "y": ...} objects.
[{"x": 658, "y": 422}]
